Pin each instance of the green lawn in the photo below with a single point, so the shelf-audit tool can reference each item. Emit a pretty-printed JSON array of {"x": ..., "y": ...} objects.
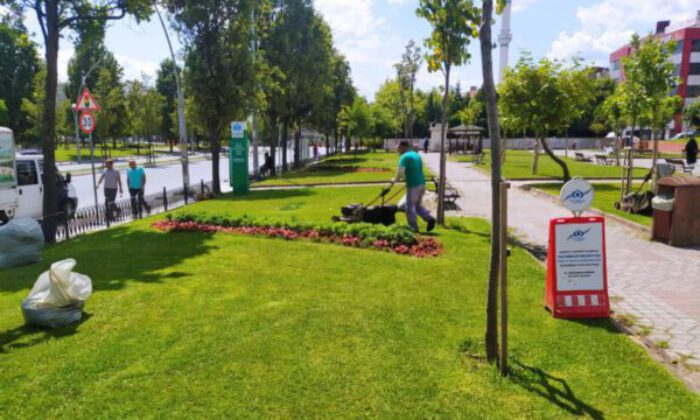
[
  {"x": 606, "y": 195},
  {"x": 71, "y": 154},
  {"x": 345, "y": 168},
  {"x": 196, "y": 325},
  {"x": 518, "y": 165}
]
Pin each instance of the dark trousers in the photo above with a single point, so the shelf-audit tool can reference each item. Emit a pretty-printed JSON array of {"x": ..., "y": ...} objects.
[
  {"x": 110, "y": 198},
  {"x": 137, "y": 202}
]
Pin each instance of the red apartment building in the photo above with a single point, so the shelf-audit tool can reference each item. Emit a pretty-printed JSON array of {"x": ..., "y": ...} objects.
[{"x": 686, "y": 58}]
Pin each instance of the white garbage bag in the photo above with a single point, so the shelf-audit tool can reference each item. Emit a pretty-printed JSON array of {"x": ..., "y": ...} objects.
[
  {"x": 429, "y": 202},
  {"x": 57, "y": 297},
  {"x": 21, "y": 241}
]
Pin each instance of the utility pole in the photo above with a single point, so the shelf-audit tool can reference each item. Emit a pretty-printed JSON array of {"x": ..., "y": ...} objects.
[
  {"x": 75, "y": 112},
  {"x": 180, "y": 110},
  {"x": 504, "y": 39}
]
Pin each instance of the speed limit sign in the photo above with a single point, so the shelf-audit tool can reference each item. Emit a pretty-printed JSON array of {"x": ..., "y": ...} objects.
[{"x": 87, "y": 122}]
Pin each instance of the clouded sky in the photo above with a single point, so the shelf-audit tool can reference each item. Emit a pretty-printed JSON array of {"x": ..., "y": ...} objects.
[{"x": 372, "y": 35}]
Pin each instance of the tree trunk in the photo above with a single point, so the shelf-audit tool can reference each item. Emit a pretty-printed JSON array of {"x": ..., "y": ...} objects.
[
  {"x": 536, "y": 154},
  {"x": 492, "y": 115},
  {"x": 564, "y": 167},
  {"x": 297, "y": 146},
  {"x": 655, "y": 150},
  {"x": 170, "y": 144},
  {"x": 48, "y": 131},
  {"x": 256, "y": 143},
  {"x": 443, "y": 157},
  {"x": 285, "y": 127},
  {"x": 215, "y": 147}
]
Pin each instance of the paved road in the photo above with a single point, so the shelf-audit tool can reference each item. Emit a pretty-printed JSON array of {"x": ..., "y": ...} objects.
[
  {"x": 654, "y": 284},
  {"x": 168, "y": 176}
]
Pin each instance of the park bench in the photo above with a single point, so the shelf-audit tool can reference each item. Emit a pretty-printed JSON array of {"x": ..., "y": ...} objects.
[
  {"x": 679, "y": 165},
  {"x": 604, "y": 160},
  {"x": 580, "y": 157},
  {"x": 451, "y": 194}
]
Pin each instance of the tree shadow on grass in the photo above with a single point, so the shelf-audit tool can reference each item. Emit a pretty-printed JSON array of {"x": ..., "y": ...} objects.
[
  {"x": 554, "y": 389},
  {"x": 115, "y": 257},
  {"x": 27, "y": 336}
]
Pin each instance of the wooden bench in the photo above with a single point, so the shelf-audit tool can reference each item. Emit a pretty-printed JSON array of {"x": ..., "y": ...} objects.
[
  {"x": 451, "y": 194},
  {"x": 679, "y": 165},
  {"x": 604, "y": 160},
  {"x": 580, "y": 157}
]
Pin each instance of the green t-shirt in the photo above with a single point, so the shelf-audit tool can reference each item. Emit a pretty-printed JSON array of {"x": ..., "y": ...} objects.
[{"x": 413, "y": 165}]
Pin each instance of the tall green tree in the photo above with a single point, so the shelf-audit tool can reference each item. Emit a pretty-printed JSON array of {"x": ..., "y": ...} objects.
[
  {"x": 338, "y": 92},
  {"x": 220, "y": 72},
  {"x": 111, "y": 119},
  {"x": 691, "y": 114},
  {"x": 453, "y": 25},
  {"x": 18, "y": 67},
  {"x": 406, "y": 71},
  {"x": 55, "y": 17},
  {"x": 166, "y": 85},
  {"x": 356, "y": 120}
]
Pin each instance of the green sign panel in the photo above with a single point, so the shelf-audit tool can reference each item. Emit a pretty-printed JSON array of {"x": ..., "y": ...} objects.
[{"x": 238, "y": 164}]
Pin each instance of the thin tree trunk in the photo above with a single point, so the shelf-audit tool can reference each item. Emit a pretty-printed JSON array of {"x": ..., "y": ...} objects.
[
  {"x": 50, "y": 206},
  {"x": 564, "y": 167},
  {"x": 256, "y": 143},
  {"x": 285, "y": 127},
  {"x": 443, "y": 157},
  {"x": 215, "y": 148},
  {"x": 297, "y": 146},
  {"x": 492, "y": 116},
  {"x": 536, "y": 151}
]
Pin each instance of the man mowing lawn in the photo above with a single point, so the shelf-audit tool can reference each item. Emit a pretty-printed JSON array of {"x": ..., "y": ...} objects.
[{"x": 411, "y": 169}]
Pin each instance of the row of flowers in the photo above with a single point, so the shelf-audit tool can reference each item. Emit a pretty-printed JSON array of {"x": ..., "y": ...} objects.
[{"x": 380, "y": 238}]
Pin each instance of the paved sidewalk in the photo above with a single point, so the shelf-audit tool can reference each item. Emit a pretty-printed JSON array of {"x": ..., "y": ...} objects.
[{"x": 658, "y": 286}]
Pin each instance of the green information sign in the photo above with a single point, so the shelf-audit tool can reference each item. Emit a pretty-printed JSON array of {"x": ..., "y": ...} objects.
[{"x": 238, "y": 159}]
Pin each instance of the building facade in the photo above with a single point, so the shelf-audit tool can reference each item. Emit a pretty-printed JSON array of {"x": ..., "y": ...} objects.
[{"x": 685, "y": 57}]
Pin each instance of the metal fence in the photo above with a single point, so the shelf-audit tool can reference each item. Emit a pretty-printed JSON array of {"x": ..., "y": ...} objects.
[{"x": 63, "y": 225}]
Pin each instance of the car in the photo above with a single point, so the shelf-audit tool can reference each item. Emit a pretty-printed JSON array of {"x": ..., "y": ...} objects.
[
  {"x": 683, "y": 135},
  {"x": 22, "y": 185}
]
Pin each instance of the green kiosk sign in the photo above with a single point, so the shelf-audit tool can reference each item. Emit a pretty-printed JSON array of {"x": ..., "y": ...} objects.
[{"x": 238, "y": 158}]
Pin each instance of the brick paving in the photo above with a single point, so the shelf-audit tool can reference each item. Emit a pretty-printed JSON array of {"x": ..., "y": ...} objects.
[{"x": 655, "y": 285}]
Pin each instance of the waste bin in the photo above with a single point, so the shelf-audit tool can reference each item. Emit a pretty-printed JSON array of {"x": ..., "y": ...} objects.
[{"x": 676, "y": 218}]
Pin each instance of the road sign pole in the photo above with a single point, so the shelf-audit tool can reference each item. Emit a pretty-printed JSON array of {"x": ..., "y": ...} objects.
[{"x": 94, "y": 178}]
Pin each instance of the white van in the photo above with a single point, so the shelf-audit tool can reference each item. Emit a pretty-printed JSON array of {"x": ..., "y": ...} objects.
[{"x": 21, "y": 183}]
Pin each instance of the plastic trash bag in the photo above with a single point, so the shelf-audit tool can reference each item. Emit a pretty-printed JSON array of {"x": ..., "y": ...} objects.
[
  {"x": 429, "y": 202},
  {"x": 21, "y": 241},
  {"x": 57, "y": 297}
]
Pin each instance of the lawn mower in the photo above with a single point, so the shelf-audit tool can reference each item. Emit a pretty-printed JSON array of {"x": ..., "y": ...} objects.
[{"x": 384, "y": 214}]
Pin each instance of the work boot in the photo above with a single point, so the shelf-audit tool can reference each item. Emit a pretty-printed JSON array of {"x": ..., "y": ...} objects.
[{"x": 431, "y": 225}]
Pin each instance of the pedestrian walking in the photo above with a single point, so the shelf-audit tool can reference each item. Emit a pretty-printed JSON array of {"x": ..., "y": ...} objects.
[
  {"x": 411, "y": 169},
  {"x": 691, "y": 152},
  {"x": 426, "y": 144},
  {"x": 113, "y": 185},
  {"x": 136, "y": 178}
]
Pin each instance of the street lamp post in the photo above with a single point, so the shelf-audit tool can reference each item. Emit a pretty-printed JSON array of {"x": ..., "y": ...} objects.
[{"x": 180, "y": 110}]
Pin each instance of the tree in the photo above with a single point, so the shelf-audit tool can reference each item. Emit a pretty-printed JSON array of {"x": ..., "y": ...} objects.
[
  {"x": 453, "y": 23},
  {"x": 166, "y": 85},
  {"x": 55, "y": 17},
  {"x": 356, "y": 120},
  {"x": 691, "y": 114},
  {"x": 111, "y": 120},
  {"x": 18, "y": 67},
  {"x": 406, "y": 71},
  {"x": 486, "y": 44},
  {"x": 653, "y": 72},
  {"x": 220, "y": 72}
]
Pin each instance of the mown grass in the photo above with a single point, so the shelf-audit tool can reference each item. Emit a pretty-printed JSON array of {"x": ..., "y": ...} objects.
[
  {"x": 71, "y": 153},
  {"x": 345, "y": 168},
  {"x": 196, "y": 325},
  {"x": 606, "y": 195},
  {"x": 518, "y": 165}
]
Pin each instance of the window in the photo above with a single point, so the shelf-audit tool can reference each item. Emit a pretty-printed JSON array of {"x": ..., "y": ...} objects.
[
  {"x": 679, "y": 48},
  {"x": 695, "y": 46},
  {"x": 26, "y": 173},
  {"x": 694, "y": 69},
  {"x": 616, "y": 65},
  {"x": 692, "y": 91},
  {"x": 677, "y": 70}
]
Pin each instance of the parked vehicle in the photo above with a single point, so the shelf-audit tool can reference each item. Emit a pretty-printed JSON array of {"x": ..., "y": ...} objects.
[
  {"x": 22, "y": 186},
  {"x": 683, "y": 135}
]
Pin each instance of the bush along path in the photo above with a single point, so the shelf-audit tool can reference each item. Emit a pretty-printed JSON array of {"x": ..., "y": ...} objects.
[{"x": 398, "y": 239}]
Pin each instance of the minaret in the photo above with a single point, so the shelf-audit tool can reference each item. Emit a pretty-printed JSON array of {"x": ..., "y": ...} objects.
[{"x": 504, "y": 39}]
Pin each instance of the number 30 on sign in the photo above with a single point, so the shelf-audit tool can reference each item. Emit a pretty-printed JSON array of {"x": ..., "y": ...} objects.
[{"x": 87, "y": 122}]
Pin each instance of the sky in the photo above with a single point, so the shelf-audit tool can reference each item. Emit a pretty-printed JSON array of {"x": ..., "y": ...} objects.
[{"x": 372, "y": 35}]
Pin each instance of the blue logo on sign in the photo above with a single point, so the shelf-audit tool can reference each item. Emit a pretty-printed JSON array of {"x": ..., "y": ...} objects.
[
  {"x": 577, "y": 196},
  {"x": 578, "y": 235}
]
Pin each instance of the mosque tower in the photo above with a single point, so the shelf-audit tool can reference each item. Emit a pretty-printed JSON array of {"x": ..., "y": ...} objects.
[{"x": 504, "y": 39}]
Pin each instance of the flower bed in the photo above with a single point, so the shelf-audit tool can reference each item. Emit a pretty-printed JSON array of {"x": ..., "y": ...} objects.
[{"x": 397, "y": 239}]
